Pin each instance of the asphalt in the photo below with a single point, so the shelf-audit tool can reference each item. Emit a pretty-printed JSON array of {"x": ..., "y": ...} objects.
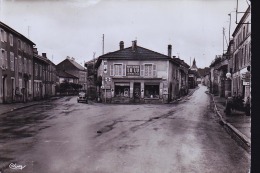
[{"x": 237, "y": 124}]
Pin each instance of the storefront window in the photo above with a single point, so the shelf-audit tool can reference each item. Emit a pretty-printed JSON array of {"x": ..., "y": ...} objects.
[
  {"x": 151, "y": 91},
  {"x": 122, "y": 90}
]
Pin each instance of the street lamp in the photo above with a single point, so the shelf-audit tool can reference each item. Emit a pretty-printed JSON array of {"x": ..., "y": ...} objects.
[
  {"x": 228, "y": 75},
  {"x": 228, "y": 85}
]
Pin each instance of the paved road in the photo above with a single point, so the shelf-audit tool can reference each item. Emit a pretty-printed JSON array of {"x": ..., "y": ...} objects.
[{"x": 65, "y": 136}]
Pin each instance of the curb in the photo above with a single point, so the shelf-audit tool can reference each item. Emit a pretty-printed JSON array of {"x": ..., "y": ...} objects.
[
  {"x": 234, "y": 132},
  {"x": 26, "y": 106}
]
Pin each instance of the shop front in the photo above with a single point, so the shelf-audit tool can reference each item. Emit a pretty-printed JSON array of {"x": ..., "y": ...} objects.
[{"x": 138, "y": 91}]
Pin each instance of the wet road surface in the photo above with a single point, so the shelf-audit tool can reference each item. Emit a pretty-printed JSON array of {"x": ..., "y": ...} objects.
[{"x": 66, "y": 136}]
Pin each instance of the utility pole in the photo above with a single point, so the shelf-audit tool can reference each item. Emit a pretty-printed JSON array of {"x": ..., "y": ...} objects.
[
  {"x": 229, "y": 26},
  {"x": 223, "y": 39},
  {"x": 103, "y": 40}
]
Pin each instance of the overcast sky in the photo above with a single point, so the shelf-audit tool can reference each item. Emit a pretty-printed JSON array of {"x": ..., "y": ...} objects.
[{"x": 74, "y": 28}]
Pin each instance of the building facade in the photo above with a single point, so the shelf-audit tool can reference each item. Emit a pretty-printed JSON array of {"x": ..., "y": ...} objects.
[
  {"x": 138, "y": 75},
  {"x": 241, "y": 59},
  {"x": 16, "y": 73},
  {"x": 40, "y": 65},
  {"x": 44, "y": 76}
]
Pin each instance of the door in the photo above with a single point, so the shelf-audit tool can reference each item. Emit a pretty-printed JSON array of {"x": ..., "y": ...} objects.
[{"x": 137, "y": 92}]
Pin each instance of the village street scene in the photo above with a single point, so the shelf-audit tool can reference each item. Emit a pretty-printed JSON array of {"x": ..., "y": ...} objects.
[{"x": 126, "y": 104}]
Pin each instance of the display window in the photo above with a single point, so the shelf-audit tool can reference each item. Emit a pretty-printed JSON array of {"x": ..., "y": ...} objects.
[
  {"x": 122, "y": 90},
  {"x": 151, "y": 91}
]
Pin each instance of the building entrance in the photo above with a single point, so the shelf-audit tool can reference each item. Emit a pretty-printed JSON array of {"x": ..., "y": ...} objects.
[{"x": 137, "y": 92}]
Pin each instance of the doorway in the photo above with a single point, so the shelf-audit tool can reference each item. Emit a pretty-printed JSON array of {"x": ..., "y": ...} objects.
[{"x": 137, "y": 92}]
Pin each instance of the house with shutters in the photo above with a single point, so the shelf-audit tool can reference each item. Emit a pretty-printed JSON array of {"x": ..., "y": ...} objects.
[
  {"x": 138, "y": 75},
  {"x": 16, "y": 74}
]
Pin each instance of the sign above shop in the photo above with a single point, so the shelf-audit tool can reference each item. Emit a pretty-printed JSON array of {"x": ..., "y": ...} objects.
[{"x": 132, "y": 70}]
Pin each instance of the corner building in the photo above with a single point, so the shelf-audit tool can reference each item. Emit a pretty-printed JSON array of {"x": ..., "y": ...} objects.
[{"x": 138, "y": 75}]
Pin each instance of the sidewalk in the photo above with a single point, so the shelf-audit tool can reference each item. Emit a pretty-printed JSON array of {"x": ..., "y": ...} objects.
[
  {"x": 5, "y": 108},
  {"x": 237, "y": 123}
]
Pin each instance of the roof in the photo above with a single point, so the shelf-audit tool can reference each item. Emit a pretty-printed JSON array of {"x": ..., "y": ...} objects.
[
  {"x": 194, "y": 66},
  {"x": 41, "y": 58},
  {"x": 139, "y": 53},
  {"x": 15, "y": 32},
  {"x": 76, "y": 64},
  {"x": 64, "y": 74}
]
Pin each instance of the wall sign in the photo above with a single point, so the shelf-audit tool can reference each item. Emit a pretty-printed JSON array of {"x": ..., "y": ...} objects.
[{"x": 132, "y": 70}]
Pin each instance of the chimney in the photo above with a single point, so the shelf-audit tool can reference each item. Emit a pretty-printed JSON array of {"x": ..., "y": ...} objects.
[
  {"x": 44, "y": 55},
  {"x": 35, "y": 50},
  {"x": 121, "y": 45},
  {"x": 170, "y": 50},
  {"x": 134, "y": 45}
]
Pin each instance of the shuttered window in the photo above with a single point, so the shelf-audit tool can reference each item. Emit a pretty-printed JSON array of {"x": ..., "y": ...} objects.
[
  {"x": 111, "y": 70},
  {"x": 12, "y": 61},
  {"x": 142, "y": 70}
]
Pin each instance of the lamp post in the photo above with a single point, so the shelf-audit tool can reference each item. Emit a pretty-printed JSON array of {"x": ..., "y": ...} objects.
[{"x": 228, "y": 85}]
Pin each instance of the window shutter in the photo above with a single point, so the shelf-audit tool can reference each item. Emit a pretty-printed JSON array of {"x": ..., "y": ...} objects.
[
  {"x": 1, "y": 58},
  {"x": 154, "y": 71},
  {"x": 124, "y": 70},
  {"x": 5, "y": 36},
  {"x": 6, "y": 63},
  {"x": 112, "y": 70},
  {"x": 142, "y": 70}
]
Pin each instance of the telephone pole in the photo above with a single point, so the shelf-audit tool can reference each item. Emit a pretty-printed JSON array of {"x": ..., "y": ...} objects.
[{"x": 103, "y": 40}]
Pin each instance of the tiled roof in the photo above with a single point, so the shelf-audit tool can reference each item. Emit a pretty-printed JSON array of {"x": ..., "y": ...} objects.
[
  {"x": 76, "y": 64},
  {"x": 61, "y": 73},
  {"x": 138, "y": 53}
]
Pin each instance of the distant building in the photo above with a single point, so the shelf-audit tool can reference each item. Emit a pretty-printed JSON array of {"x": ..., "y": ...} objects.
[
  {"x": 16, "y": 73},
  {"x": 71, "y": 67},
  {"x": 44, "y": 76},
  {"x": 138, "y": 75},
  {"x": 193, "y": 75}
]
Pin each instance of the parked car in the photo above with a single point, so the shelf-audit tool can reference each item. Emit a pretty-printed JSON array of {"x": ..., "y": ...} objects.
[{"x": 82, "y": 97}]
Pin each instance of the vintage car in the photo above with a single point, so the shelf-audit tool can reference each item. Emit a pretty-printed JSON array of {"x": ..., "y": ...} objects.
[{"x": 82, "y": 97}]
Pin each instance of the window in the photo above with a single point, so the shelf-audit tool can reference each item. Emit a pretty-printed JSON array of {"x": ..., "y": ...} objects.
[
  {"x": 2, "y": 35},
  {"x": 30, "y": 67},
  {"x": 36, "y": 69},
  {"x": 40, "y": 68},
  {"x": 3, "y": 58},
  {"x": 25, "y": 65},
  {"x": 118, "y": 69},
  {"x": 19, "y": 44},
  {"x": 11, "y": 40},
  {"x": 20, "y": 85},
  {"x": 151, "y": 91},
  {"x": 20, "y": 64},
  {"x": 122, "y": 89},
  {"x": 12, "y": 61},
  {"x": 30, "y": 87},
  {"x": 148, "y": 70}
]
